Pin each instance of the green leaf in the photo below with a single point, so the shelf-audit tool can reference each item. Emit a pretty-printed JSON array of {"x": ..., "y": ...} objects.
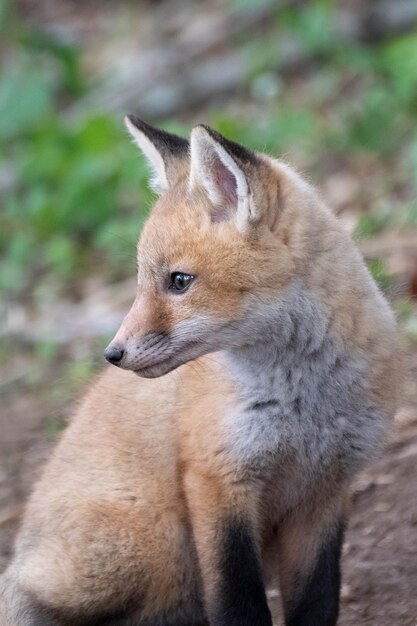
[
  {"x": 25, "y": 98},
  {"x": 399, "y": 58},
  {"x": 380, "y": 273}
]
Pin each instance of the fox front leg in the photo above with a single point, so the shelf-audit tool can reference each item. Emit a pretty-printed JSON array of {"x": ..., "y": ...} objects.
[
  {"x": 224, "y": 528},
  {"x": 309, "y": 563}
]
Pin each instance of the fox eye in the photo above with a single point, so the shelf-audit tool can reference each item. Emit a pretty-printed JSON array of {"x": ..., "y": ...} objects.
[{"x": 180, "y": 281}]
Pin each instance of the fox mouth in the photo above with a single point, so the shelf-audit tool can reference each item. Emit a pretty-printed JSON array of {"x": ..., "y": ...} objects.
[
  {"x": 162, "y": 366},
  {"x": 155, "y": 369}
]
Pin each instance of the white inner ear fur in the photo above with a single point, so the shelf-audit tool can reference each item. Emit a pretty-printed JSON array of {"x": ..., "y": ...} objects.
[
  {"x": 204, "y": 153},
  {"x": 159, "y": 180}
]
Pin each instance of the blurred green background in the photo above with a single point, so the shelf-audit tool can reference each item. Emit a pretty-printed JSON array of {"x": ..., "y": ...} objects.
[{"x": 308, "y": 86}]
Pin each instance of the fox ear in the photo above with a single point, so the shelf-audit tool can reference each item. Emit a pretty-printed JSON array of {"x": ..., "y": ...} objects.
[
  {"x": 231, "y": 176},
  {"x": 164, "y": 151}
]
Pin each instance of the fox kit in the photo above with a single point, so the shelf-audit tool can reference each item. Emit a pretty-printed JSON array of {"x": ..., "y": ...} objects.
[{"x": 256, "y": 374}]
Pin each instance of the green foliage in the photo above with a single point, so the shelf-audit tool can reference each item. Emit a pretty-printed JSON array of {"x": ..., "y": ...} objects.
[
  {"x": 313, "y": 26},
  {"x": 244, "y": 5},
  {"x": 25, "y": 98},
  {"x": 53, "y": 427},
  {"x": 399, "y": 61},
  {"x": 370, "y": 224},
  {"x": 404, "y": 308},
  {"x": 410, "y": 329},
  {"x": 76, "y": 187},
  {"x": 46, "y": 350},
  {"x": 378, "y": 269}
]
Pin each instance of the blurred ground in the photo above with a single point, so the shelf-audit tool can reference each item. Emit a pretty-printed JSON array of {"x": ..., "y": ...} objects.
[{"x": 332, "y": 86}]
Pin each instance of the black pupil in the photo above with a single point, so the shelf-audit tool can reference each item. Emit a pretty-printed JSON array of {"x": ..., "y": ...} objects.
[{"x": 180, "y": 281}]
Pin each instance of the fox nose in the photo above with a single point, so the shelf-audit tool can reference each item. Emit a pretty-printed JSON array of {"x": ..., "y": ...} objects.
[{"x": 114, "y": 354}]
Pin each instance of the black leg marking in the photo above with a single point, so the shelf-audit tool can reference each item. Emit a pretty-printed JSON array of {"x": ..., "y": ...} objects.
[
  {"x": 120, "y": 618},
  {"x": 316, "y": 601},
  {"x": 189, "y": 614},
  {"x": 242, "y": 599},
  {"x": 168, "y": 622},
  {"x": 114, "y": 618},
  {"x": 157, "y": 622}
]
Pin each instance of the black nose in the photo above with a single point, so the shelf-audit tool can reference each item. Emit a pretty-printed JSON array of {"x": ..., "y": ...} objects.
[{"x": 113, "y": 354}]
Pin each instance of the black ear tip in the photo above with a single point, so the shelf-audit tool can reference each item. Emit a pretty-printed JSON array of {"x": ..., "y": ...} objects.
[
  {"x": 205, "y": 127},
  {"x": 136, "y": 121},
  {"x": 213, "y": 134},
  {"x": 210, "y": 131},
  {"x": 166, "y": 143},
  {"x": 234, "y": 149}
]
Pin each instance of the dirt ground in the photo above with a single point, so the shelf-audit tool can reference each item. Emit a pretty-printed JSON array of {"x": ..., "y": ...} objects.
[{"x": 380, "y": 551}]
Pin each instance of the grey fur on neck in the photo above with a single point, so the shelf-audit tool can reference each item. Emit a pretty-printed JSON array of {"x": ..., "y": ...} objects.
[{"x": 303, "y": 397}]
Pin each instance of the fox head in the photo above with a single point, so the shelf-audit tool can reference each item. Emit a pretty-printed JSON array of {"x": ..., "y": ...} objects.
[{"x": 215, "y": 253}]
